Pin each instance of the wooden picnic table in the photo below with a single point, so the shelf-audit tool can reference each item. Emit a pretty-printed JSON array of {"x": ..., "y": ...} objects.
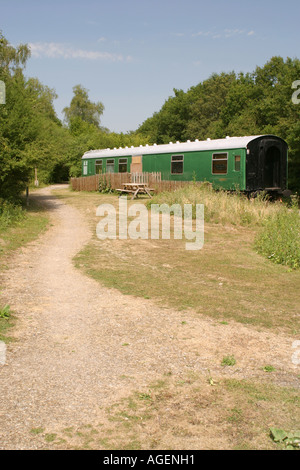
[{"x": 135, "y": 189}]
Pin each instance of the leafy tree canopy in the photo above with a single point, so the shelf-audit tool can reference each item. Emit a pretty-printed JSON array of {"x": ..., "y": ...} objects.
[
  {"x": 81, "y": 107},
  {"x": 235, "y": 104}
]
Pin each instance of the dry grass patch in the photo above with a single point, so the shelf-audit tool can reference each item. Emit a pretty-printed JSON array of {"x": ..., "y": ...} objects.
[{"x": 188, "y": 412}]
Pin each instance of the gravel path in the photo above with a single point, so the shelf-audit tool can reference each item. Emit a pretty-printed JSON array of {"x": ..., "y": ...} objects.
[{"x": 81, "y": 347}]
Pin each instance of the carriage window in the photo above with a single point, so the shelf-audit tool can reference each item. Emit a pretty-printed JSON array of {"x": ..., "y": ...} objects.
[
  {"x": 110, "y": 166},
  {"x": 85, "y": 168},
  {"x": 98, "y": 167},
  {"x": 219, "y": 163},
  {"x": 122, "y": 165},
  {"x": 177, "y": 164},
  {"x": 237, "y": 162}
]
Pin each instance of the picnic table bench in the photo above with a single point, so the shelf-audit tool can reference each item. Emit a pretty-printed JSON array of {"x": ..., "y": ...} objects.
[{"x": 135, "y": 189}]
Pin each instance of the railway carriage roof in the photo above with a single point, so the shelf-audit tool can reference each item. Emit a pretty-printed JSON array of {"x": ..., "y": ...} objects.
[{"x": 178, "y": 147}]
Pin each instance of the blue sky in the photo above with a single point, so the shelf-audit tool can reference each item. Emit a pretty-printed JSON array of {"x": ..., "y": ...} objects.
[{"x": 130, "y": 54}]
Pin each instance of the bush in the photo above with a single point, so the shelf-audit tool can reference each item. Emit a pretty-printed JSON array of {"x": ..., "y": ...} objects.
[
  {"x": 10, "y": 214},
  {"x": 279, "y": 239}
]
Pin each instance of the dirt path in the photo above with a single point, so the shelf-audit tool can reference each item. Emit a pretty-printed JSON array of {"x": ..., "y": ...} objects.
[{"x": 81, "y": 346}]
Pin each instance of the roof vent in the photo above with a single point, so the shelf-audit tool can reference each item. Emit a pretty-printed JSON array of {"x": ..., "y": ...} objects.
[
  {"x": 209, "y": 138},
  {"x": 227, "y": 137},
  {"x": 197, "y": 140},
  {"x": 177, "y": 142},
  {"x": 188, "y": 141},
  {"x": 155, "y": 144}
]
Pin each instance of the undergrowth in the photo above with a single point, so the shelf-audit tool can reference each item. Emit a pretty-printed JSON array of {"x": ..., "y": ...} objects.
[
  {"x": 279, "y": 239},
  {"x": 10, "y": 214}
]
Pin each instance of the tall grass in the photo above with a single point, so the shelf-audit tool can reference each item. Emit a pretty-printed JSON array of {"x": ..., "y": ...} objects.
[
  {"x": 222, "y": 207},
  {"x": 278, "y": 225},
  {"x": 279, "y": 240}
]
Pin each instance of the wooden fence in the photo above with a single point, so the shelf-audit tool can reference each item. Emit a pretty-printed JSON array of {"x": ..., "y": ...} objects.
[
  {"x": 149, "y": 178},
  {"x": 116, "y": 180}
]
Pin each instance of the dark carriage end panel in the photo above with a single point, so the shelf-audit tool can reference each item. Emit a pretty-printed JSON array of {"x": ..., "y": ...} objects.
[{"x": 266, "y": 164}]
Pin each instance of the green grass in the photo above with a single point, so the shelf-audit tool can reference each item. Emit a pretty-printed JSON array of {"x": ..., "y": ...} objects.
[
  {"x": 37, "y": 431},
  {"x": 19, "y": 226},
  {"x": 279, "y": 240},
  {"x": 228, "y": 361},
  {"x": 6, "y": 324},
  {"x": 5, "y": 312},
  {"x": 269, "y": 368}
]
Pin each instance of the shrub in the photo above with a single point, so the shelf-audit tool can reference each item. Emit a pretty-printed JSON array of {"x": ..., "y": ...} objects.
[
  {"x": 9, "y": 214},
  {"x": 279, "y": 239}
]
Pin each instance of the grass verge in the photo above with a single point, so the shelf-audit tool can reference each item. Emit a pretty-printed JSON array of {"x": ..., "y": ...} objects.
[
  {"x": 6, "y": 322},
  {"x": 18, "y": 226}
]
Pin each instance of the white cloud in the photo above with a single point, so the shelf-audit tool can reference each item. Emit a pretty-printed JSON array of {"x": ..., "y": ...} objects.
[
  {"x": 202, "y": 33},
  {"x": 233, "y": 32},
  {"x": 55, "y": 50},
  {"x": 226, "y": 33}
]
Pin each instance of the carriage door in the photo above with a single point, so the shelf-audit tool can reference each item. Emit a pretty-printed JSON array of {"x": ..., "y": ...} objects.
[
  {"x": 272, "y": 167},
  {"x": 136, "y": 165}
]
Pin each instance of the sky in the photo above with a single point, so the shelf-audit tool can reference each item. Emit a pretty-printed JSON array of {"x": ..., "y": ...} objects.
[{"x": 131, "y": 54}]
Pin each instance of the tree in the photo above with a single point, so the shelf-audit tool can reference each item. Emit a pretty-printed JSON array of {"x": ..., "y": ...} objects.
[
  {"x": 169, "y": 124},
  {"x": 207, "y": 102},
  {"x": 235, "y": 104},
  {"x": 82, "y": 108},
  {"x": 15, "y": 116},
  {"x": 31, "y": 135},
  {"x": 11, "y": 58}
]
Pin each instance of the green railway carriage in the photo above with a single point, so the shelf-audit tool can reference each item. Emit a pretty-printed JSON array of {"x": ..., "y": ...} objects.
[{"x": 251, "y": 163}]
